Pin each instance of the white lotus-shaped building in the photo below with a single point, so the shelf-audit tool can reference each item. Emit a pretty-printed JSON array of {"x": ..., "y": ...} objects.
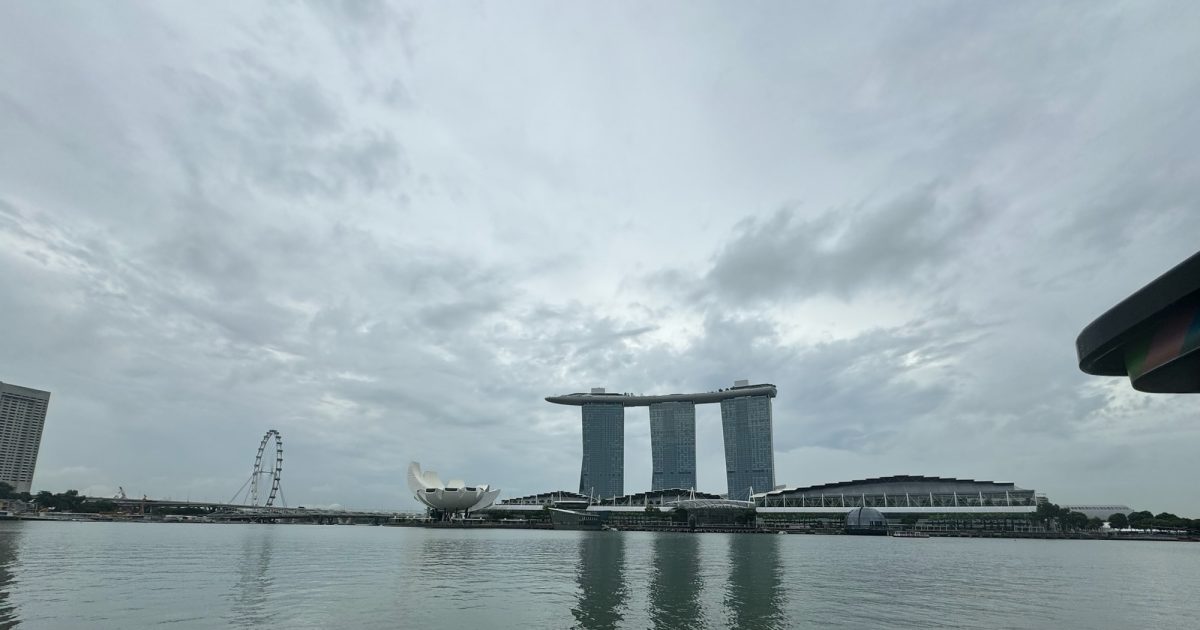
[{"x": 455, "y": 496}]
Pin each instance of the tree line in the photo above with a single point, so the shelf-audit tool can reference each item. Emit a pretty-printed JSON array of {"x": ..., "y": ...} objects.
[
  {"x": 1066, "y": 519},
  {"x": 69, "y": 501},
  {"x": 1146, "y": 520},
  {"x": 1049, "y": 513}
]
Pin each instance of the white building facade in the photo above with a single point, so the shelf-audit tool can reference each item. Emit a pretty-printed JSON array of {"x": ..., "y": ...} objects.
[{"x": 22, "y": 415}]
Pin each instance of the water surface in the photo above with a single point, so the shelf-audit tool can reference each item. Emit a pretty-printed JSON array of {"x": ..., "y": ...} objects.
[{"x": 132, "y": 575}]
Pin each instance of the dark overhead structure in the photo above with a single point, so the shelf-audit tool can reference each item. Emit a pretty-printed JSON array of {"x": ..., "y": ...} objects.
[{"x": 1152, "y": 336}]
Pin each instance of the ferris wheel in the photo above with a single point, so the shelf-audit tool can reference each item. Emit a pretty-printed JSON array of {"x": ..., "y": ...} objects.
[{"x": 260, "y": 471}]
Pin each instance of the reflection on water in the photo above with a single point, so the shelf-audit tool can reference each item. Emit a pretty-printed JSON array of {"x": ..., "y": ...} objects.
[
  {"x": 120, "y": 575},
  {"x": 676, "y": 581},
  {"x": 671, "y": 568},
  {"x": 10, "y": 539},
  {"x": 253, "y": 591},
  {"x": 754, "y": 592},
  {"x": 601, "y": 577}
]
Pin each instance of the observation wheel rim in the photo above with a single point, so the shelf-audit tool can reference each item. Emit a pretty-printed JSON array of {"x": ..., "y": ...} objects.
[{"x": 276, "y": 472}]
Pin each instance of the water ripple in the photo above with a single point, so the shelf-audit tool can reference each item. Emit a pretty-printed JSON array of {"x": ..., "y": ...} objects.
[{"x": 215, "y": 576}]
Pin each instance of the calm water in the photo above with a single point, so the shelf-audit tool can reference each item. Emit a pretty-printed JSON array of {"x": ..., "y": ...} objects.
[{"x": 123, "y": 575}]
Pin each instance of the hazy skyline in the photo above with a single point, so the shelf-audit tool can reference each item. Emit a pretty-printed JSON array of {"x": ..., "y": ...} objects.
[{"x": 388, "y": 231}]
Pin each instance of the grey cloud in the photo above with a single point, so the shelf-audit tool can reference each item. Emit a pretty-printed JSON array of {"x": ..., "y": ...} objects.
[
  {"x": 849, "y": 394},
  {"x": 844, "y": 251},
  {"x": 456, "y": 315},
  {"x": 391, "y": 233},
  {"x": 357, "y": 24},
  {"x": 293, "y": 140}
]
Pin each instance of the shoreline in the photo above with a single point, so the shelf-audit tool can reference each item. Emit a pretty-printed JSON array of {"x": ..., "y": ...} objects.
[{"x": 714, "y": 529}]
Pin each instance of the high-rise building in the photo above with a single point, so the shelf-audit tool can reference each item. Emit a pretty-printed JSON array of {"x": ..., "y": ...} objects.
[
  {"x": 22, "y": 414},
  {"x": 602, "y": 474},
  {"x": 673, "y": 445},
  {"x": 745, "y": 419},
  {"x": 749, "y": 447}
]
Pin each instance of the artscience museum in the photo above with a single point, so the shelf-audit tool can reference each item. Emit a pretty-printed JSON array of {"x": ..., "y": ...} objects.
[{"x": 450, "y": 498}]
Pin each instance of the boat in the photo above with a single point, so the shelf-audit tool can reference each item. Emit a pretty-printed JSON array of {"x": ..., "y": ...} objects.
[{"x": 909, "y": 534}]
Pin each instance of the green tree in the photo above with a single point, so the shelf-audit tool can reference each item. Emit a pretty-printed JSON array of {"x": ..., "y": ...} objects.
[
  {"x": 1140, "y": 519},
  {"x": 97, "y": 505},
  {"x": 1118, "y": 521},
  {"x": 1047, "y": 511},
  {"x": 7, "y": 491},
  {"x": 1094, "y": 523},
  {"x": 1073, "y": 520},
  {"x": 71, "y": 501}
]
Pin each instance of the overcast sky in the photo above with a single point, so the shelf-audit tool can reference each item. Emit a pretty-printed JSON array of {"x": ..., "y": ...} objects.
[{"x": 390, "y": 231}]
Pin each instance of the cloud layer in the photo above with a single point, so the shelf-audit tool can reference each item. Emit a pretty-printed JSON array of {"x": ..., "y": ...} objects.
[{"x": 389, "y": 231}]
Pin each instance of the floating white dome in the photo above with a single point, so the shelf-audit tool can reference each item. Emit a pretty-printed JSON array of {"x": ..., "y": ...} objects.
[{"x": 456, "y": 496}]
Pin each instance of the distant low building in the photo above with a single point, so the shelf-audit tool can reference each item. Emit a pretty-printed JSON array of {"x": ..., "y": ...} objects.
[
  {"x": 13, "y": 506},
  {"x": 551, "y": 498},
  {"x": 901, "y": 494},
  {"x": 1101, "y": 512},
  {"x": 666, "y": 496},
  {"x": 670, "y": 506},
  {"x": 928, "y": 503}
]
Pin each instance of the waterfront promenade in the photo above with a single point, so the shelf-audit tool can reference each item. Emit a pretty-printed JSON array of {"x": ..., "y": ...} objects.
[{"x": 824, "y": 531}]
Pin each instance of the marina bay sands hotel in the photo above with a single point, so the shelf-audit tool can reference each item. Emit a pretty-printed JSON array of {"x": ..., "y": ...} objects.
[{"x": 745, "y": 423}]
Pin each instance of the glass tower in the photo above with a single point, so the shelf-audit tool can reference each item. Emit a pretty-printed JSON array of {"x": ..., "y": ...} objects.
[
  {"x": 749, "y": 449},
  {"x": 673, "y": 445},
  {"x": 603, "y": 472}
]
